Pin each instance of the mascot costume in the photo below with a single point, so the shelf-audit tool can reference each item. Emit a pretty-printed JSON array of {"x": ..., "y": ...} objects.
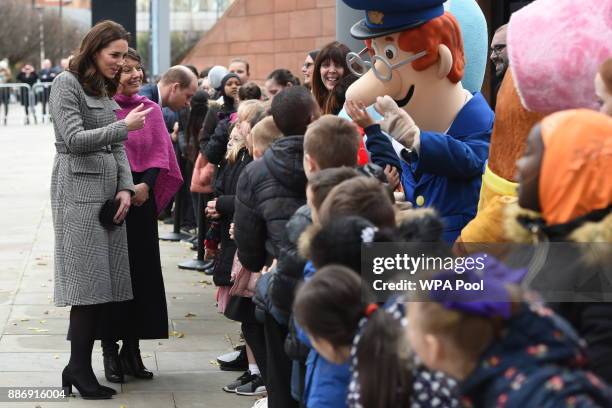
[
  {"x": 440, "y": 131},
  {"x": 576, "y": 37},
  {"x": 475, "y": 41}
]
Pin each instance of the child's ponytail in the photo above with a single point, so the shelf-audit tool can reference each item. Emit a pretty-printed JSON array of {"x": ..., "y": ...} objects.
[{"x": 380, "y": 360}]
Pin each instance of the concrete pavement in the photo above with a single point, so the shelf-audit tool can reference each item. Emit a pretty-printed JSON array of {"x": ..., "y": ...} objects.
[{"x": 33, "y": 348}]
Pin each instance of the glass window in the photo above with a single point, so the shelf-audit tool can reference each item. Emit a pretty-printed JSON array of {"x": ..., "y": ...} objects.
[{"x": 180, "y": 5}]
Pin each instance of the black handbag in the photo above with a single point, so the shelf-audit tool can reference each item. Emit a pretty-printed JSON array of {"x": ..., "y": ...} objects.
[{"x": 107, "y": 213}]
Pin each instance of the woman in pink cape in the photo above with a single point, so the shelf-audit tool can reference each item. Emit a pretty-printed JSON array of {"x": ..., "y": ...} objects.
[{"x": 156, "y": 178}]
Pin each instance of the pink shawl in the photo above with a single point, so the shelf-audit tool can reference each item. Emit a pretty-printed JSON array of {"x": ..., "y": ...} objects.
[{"x": 151, "y": 147}]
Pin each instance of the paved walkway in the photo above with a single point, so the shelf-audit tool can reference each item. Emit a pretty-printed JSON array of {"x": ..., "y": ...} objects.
[{"x": 33, "y": 349}]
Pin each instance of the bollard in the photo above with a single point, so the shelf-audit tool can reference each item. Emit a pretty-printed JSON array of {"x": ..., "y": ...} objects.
[
  {"x": 199, "y": 264},
  {"x": 176, "y": 234}
]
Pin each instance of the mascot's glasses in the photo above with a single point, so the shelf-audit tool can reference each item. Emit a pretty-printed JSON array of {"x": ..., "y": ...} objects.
[{"x": 384, "y": 72}]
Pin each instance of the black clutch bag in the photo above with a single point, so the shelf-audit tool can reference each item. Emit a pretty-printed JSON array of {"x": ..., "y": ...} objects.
[{"x": 107, "y": 213}]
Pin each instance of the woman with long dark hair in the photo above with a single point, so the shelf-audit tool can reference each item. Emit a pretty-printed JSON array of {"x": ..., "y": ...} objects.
[
  {"x": 195, "y": 120},
  {"x": 91, "y": 258},
  {"x": 331, "y": 77},
  {"x": 157, "y": 178},
  {"x": 199, "y": 109}
]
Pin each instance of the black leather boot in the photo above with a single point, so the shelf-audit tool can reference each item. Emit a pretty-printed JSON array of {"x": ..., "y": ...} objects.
[
  {"x": 85, "y": 383},
  {"x": 78, "y": 372},
  {"x": 112, "y": 365},
  {"x": 131, "y": 361}
]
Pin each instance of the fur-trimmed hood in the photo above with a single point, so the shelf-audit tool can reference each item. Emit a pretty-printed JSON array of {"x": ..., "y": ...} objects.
[
  {"x": 527, "y": 227},
  {"x": 517, "y": 231},
  {"x": 306, "y": 238}
]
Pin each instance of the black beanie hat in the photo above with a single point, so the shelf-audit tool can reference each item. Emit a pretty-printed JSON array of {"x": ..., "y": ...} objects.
[{"x": 224, "y": 81}]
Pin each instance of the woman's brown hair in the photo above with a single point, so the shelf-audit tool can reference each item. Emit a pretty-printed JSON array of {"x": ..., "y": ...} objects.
[
  {"x": 83, "y": 64},
  {"x": 336, "y": 52}
]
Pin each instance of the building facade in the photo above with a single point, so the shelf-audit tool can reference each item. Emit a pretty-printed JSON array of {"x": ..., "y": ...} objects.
[{"x": 278, "y": 33}]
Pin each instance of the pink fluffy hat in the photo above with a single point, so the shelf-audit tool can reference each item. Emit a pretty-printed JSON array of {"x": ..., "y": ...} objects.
[{"x": 555, "y": 48}]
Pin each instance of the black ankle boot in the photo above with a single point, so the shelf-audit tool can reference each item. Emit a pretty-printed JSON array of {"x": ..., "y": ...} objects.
[
  {"x": 131, "y": 361},
  {"x": 85, "y": 383},
  {"x": 112, "y": 365},
  {"x": 112, "y": 369}
]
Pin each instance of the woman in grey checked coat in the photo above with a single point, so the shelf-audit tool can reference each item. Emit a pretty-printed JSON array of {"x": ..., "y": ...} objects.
[{"x": 90, "y": 167}]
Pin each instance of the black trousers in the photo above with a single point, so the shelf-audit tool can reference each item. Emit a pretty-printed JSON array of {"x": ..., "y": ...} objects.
[
  {"x": 254, "y": 335},
  {"x": 188, "y": 215},
  {"x": 188, "y": 210},
  {"x": 278, "y": 366}
]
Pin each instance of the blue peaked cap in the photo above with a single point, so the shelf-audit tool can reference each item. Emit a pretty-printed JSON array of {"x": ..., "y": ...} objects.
[{"x": 391, "y": 16}]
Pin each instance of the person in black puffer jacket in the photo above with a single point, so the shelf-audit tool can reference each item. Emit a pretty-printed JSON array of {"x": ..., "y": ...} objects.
[
  {"x": 330, "y": 142},
  {"x": 235, "y": 161},
  {"x": 225, "y": 189},
  {"x": 269, "y": 191}
]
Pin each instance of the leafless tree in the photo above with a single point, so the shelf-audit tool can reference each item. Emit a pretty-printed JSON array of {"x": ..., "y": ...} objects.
[{"x": 20, "y": 33}]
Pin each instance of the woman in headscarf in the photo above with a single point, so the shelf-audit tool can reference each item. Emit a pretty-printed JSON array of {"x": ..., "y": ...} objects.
[
  {"x": 565, "y": 191},
  {"x": 214, "y": 134},
  {"x": 156, "y": 178}
]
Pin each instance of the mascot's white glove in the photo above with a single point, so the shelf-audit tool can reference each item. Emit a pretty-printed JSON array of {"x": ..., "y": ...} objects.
[{"x": 397, "y": 122}]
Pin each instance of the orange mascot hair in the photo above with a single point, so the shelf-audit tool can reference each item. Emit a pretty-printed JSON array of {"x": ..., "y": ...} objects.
[{"x": 427, "y": 37}]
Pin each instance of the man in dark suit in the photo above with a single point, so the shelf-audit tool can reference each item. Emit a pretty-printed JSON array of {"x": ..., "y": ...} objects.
[{"x": 173, "y": 93}]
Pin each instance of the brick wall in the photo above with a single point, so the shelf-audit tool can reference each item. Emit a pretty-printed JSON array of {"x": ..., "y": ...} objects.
[
  {"x": 268, "y": 33},
  {"x": 274, "y": 34}
]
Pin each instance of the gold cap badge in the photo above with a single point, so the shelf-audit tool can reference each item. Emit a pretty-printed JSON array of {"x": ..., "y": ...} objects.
[{"x": 376, "y": 17}]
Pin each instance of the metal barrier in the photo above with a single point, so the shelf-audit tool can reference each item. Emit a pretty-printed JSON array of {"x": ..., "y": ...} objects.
[
  {"x": 42, "y": 86},
  {"x": 30, "y": 96}
]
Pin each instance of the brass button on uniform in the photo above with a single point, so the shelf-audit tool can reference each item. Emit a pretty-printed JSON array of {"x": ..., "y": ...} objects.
[{"x": 420, "y": 201}]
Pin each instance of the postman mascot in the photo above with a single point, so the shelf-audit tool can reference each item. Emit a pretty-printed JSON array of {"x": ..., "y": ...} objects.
[{"x": 439, "y": 130}]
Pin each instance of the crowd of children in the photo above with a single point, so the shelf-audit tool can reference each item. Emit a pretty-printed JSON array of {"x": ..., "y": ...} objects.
[
  {"x": 298, "y": 195},
  {"x": 293, "y": 203}
]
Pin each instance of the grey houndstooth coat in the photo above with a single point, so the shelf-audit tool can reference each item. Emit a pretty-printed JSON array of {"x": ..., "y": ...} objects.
[{"x": 90, "y": 167}]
